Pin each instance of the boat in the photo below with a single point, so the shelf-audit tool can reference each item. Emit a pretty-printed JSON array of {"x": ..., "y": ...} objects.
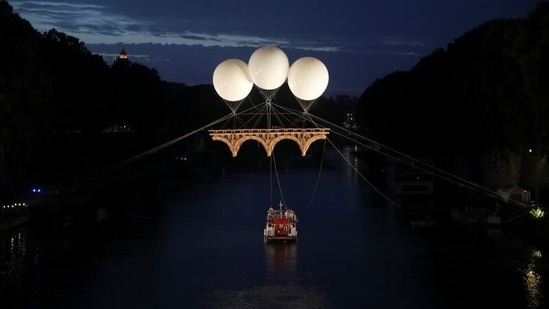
[
  {"x": 281, "y": 225},
  {"x": 422, "y": 223},
  {"x": 478, "y": 216}
]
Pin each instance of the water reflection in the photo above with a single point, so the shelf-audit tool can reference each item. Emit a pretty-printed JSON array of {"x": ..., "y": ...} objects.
[
  {"x": 152, "y": 251},
  {"x": 281, "y": 261},
  {"x": 275, "y": 296},
  {"x": 281, "y": 289},
  {"x": 13, "y": 254},
  {"x": 533, "y": 280},
  {"x": 16, "y": 266},
  {"x": 352, "y": 168}
]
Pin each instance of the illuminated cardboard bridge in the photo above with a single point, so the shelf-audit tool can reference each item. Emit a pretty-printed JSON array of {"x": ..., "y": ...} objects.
[{"x": 304, "y": 137}]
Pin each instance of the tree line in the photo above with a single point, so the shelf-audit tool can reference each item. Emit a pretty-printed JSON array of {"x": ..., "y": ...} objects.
[
  {"x": 485, "y": 96},
  {"x": 57, "y": 100},
  {"x": 486, "y": 92}
]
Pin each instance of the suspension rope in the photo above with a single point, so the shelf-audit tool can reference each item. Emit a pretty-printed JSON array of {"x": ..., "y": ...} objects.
[
  {"x": 401, "y": 157},
  {"x": 271, "y": 177},
  {"x": 287, "y": 116},
  {"x": 278, "y": 182},
  {"x": 318, "y": 176},
  {"x": 386, "y": 197},
  {"x": 175, "y": 140}
]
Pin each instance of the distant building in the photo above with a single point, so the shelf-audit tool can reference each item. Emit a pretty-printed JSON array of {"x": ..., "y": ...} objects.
[
  {"x": 118, "y": 127},
  {"x": 122, "y": 59},
  {"x": 123, "y": 55},
  {"x": 350, "y": 122},
  {"x": 349, "y": 106}
]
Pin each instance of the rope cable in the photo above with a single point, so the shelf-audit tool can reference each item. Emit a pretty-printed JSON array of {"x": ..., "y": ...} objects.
[
  {"x": 282, "y": 115},
  {"x": 317, "y": 177}
]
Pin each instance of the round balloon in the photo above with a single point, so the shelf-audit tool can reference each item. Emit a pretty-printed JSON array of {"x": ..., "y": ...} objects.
[
  {"x": 232, "y": 80},
  {"x": 268, "y": 67},
  {"x": 308, "y": 78}
]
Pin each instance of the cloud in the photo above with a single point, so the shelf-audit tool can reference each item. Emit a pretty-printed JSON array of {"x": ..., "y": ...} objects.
[
  {"x": 184, "y": 40},
  {"x": 98, "y": 24}
]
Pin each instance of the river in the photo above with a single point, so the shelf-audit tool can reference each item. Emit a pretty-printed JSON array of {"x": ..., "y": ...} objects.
[{"x": 199, "y": 244}]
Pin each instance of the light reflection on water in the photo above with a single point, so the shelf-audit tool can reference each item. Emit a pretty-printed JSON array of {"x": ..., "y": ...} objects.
[
  {"x": 203, "y": 247},
  {"x": 281, "y": 262},
  {"x": 282, "y": 289},
  {"x": 17, "y": 265},
  {"x": 270, "y": 296},
  {"x": 533, "y": 280}
]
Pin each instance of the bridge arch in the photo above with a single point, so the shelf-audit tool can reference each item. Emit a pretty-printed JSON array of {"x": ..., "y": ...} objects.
[
  {"x": 245, "y": 138},
  {"x": 304, "y": 137}
]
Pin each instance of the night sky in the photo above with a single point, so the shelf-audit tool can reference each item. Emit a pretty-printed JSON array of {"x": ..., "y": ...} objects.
[{"x": 359, "y": 41}]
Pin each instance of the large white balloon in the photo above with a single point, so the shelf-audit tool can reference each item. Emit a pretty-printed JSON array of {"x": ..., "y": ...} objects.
[
  {"x": 308, "y": 78},
  {"x": 268, "y": 67},
  {"x": 232, "y": 80}
]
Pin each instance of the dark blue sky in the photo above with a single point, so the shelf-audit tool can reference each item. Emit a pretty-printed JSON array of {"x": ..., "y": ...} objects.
[{"x": 359, "y": 41}]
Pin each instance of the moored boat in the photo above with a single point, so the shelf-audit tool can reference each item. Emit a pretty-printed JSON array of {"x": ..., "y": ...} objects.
[
  {"x": 281, "y": 225},
  {"x": 478, "y": 216},
  {"x": 423, "y": 223}
]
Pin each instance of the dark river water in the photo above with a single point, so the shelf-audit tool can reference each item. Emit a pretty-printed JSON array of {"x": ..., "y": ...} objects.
[{"x": 181, "y": 244}]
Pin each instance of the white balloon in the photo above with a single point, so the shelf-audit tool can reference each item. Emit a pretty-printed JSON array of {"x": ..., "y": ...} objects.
[
  {"x": 232, "y": 80},
  {"x": 308, "y": 78},
  {"x": 268, "y": 67}
]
